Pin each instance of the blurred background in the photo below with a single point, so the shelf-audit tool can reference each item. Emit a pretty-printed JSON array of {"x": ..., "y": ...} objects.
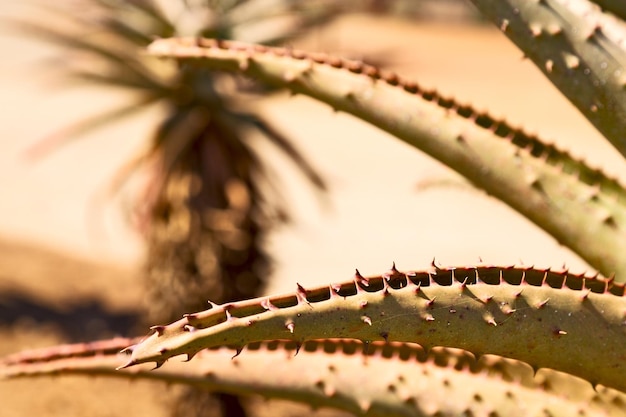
[{"x": 81, "y": 259}]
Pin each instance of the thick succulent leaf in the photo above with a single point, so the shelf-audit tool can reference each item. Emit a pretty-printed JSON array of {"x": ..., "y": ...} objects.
[
  {"x": 579, "y": 206},
  {"x": 548, "y": 319},
  {"x": 389, "y": 380},
  {"x": 581, "y": 50}
]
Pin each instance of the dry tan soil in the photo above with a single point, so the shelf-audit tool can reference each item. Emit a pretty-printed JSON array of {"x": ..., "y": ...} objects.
[{"x": 380, "y": 210}]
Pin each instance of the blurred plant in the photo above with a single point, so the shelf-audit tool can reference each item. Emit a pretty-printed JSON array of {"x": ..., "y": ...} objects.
[{"x": 210, "y": 200}]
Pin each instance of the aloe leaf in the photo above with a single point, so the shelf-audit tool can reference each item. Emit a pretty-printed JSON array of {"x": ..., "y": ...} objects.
[
  {"x": 575, "y": 204},
  {"x": 548, "y": 319},
  {"x": 390, "y": 379},
  {"x": 581, "y": 50}
]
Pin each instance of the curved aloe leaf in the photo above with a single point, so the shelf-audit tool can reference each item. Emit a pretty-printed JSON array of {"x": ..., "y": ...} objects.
[
  {"x": 549, "y": 319},
  {"x": 390, "y": 380},
  {"x": 579, "y": 48},
  {"x": 572, "y": 202}
]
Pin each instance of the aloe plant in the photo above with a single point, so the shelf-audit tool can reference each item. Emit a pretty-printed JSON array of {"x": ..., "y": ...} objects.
[
  {"x": 402, "y": 379},
  {"x": 553, "y": 321},
  {"x": 210, "y": 199}
]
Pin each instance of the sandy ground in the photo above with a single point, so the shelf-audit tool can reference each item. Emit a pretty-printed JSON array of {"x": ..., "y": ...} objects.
[{"x": 68, "y": 261}]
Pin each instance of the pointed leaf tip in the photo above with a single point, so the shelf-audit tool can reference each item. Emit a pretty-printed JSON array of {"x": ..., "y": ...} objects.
[{"x": 128, "y": 364}]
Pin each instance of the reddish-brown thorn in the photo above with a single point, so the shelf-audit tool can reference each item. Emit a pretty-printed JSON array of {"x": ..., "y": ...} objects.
[
  {"x": 535, "y": 30},
  {"x": 335, "y": 62},
  {"x": 227, "y": 308},
  {"x": 543, "y": 303},
  {"x": 318, "y": 58},
  {"x": 268, "y": 305},
  {"x": 363, "y": 304},
  {"x": 365, "y": 405},
  {"x": 158, "y": 329},
  {"x": 385, "y": 336},
  {"x": 360, "y": 279},
  {"x": 477, "y": 276},
  {"x": 366, "y": 320},
  {"x": 608, "y": 282},
  {"x": 584, "y": 294},
  {"x": 463, "y": 285},
  {"x": 329, "y": 391},
  {"x": 506, "y": 309},
  {"x": 301, "y": 294},
  {"x": 410, "y": 87},
  {"x": 371, "y": 72},
  {"x": 391, "y": 78},
  {"x": 158, "y": 364},
  {"x": 128, "y": 350},
  {"x": 430, "y": 303},
  {"x": 237, "y": 352},
  {"x": 434, "y": 265},
  {"x": 354, "y": 66},
  {"x": 126, "y": 365},
  {"x": 486, "y": 299},
  {"x": 596, "y": 30}
]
